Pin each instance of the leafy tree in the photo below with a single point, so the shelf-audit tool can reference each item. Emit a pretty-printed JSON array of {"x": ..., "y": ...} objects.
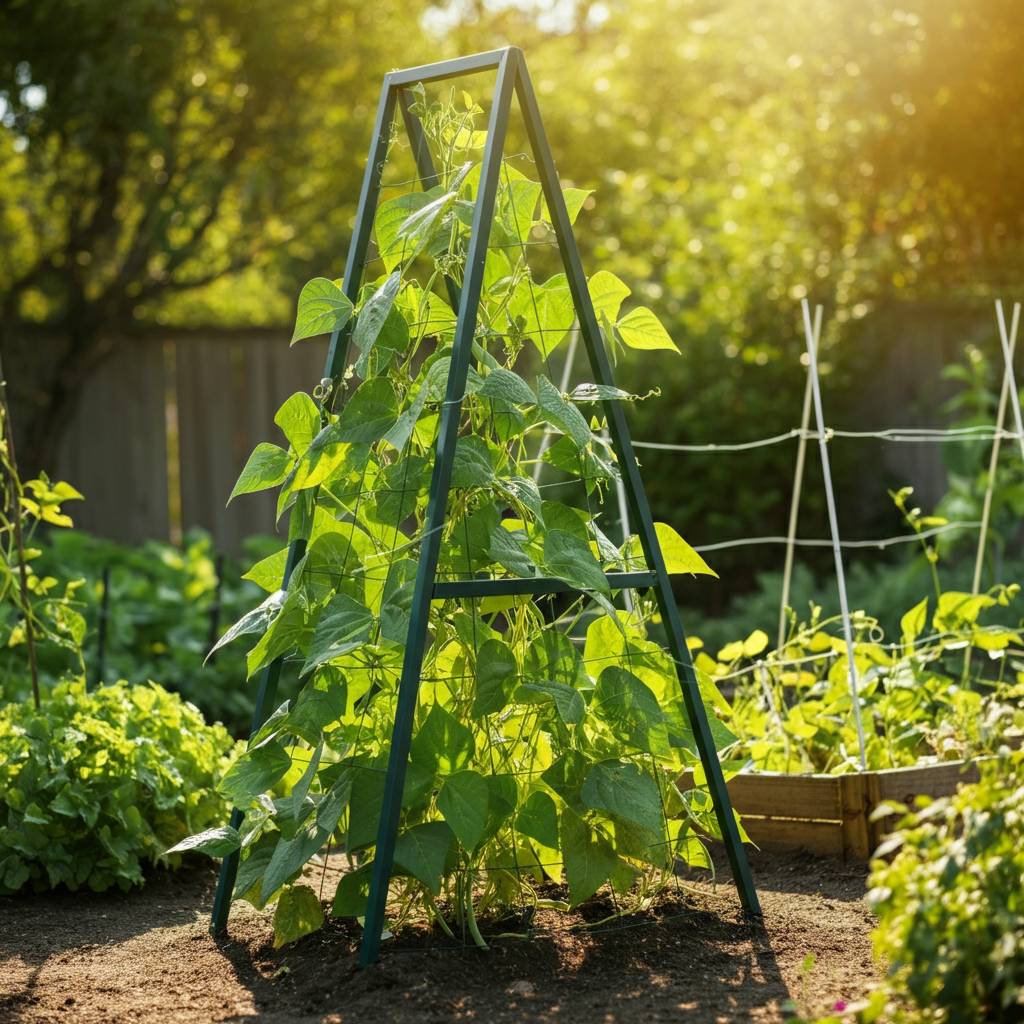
[{"x": 159, "y": 159}]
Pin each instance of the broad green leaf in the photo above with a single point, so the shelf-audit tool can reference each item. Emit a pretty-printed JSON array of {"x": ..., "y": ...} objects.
[
  {"x": 370, "y": 414},
  {"x": 574, "y": 200},
  {"x": 290, "y": 855},
  {"x": 956, "y": 609},
  {"x": 397, "y": 491},
  {"x": 994, "y": 639},
  {"x": 321, "y": 704},
  {"x": 496, "y": 672},
  {"x": 538, "y": 819},
  {"x": 564, "y": 517},
  {"x": 463, "y": 801},
  {"x": 568, "y": 558},
  {"x": 630, "y": 710},
  {"x": 248, "y": 882},
  {"x": 519, "y": 203},
  {"x": 642, "y": 329},
  {"x": 607, "y": 293},
  {"x": 352, "y": 893},
  {"x": 749, "y": 648},
  {"x": 621, "y": 788},
  {"x": 508, "y": 386},
  {"x": 323, "y": 309},
  {"x": 371, "y": 318},
  {"x": 288, "y": 629},
  {"x": 561, "y": 414},
  {"x": 678, "y": 555},
  {"x": 442, "y": 743},
  {"x": 522, "y": 490},
  {"x": 255, "y": 772},
  {"x": 344, "y": 625},
  {"x": 566, "y": 775},
  {"x": 566, "y": 456},
  {"x": 255, "y": 621},
  {"x": 396, "y": 604},
  {"x": 364, "y": 807},
  {"x": 568, "y": 701},
  {"x": 334, "y": 802},
  {"x": 424, "y": 851},
  {"x": 299, "y": 418},
  {"x": 473, "y": 466},
  {"x": 389, "y": 218},
  {"x": 268, "y": 573},
  {"x": 217, "y": 842},
  {"x": 599, "y": 393},
  {"x": 552, "y": 655},
  {"x": 913, "y": 622},
  {"x": 506, "y": 548},
  {"x": 398, "y": 436},
  {"x": 546, "y": 309},
  {"x": 298, "y": 913},
  {"x": 588, "y": 856},
  {"x": 267, "y": 467}
]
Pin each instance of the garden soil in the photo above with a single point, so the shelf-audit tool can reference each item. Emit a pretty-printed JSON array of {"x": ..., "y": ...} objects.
[{"x": 147, "y": 957}]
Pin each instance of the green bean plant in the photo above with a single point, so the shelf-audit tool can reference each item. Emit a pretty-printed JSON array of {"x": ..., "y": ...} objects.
[{"x": 541, "y": 745}]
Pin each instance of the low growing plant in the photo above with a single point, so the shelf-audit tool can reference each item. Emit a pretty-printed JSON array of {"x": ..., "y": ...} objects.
[
  {"x": 160, "y": 619},
  {"x": 93, "y": 785},
  {"x": 951, "y": 905},
  {"x": 532, "y": 752},
  {"x": 921, "y": 698}
]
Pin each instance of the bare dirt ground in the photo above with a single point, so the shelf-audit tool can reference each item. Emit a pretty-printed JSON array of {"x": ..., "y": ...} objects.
[{"x": 147, "y": 956}]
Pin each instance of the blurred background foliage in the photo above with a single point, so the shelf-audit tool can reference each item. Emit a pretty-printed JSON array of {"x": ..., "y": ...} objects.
[{"x": 178, "y": 163}]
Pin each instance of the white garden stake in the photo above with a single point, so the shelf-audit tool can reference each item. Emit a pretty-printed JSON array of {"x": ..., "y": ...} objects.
[
  {"x": 994, "y": 458},
  {"x": 834, "y": 524},
  {"x": 798, "y": 479},
  {"x": 1008, "y": 356}
]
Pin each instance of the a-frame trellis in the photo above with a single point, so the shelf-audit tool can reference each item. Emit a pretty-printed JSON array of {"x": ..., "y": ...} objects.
[{"x": 512, "y": 76}]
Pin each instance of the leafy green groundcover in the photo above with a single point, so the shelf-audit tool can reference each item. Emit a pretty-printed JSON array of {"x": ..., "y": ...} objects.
[
  {"x": 159, "y": 606},
  {"x": 951, "y": 903},
  {"x": 95, "y": 784}
]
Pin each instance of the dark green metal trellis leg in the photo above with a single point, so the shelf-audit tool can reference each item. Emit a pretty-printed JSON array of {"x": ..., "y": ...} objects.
[{"x": 264, "y": 702}]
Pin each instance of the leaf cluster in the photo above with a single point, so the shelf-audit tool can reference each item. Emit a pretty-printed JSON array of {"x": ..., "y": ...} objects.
[
  {"x": 793, "y": 710},
  {"x": 160, "y": 606},
  {"x": 950, "y": 904},
  {"x": 94, "y": 785}
]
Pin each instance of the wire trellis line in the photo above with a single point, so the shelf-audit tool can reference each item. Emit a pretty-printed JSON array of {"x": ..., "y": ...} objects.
[
  {"x": 824, "y": 543},
  {"x": 906, "y": 435}
]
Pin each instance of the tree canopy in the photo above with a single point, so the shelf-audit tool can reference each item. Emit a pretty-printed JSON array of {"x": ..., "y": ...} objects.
[{"x": 193, "y": 161}]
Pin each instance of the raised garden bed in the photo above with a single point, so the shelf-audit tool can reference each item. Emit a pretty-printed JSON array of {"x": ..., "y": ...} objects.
[{"x": 830, "y": 814}]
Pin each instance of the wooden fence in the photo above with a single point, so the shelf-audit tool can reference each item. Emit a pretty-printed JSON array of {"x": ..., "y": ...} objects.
[
  {"x": 206, "y": 399},
  {"x": 165, "y": 427}
]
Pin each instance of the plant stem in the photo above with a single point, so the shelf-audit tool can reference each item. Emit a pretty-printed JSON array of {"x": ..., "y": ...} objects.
[
  {"x": 467, "y": 892},
  {"x": 11, "y": 466}
]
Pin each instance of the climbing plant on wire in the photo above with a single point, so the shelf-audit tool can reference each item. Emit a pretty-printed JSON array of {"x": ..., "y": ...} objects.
[{"x": 546, "y": 743}]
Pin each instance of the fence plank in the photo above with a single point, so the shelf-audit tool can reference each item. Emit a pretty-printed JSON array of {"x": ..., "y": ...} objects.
[
  {"x": 229, "y": 389},
  {"x": 115, "y": 450}
]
